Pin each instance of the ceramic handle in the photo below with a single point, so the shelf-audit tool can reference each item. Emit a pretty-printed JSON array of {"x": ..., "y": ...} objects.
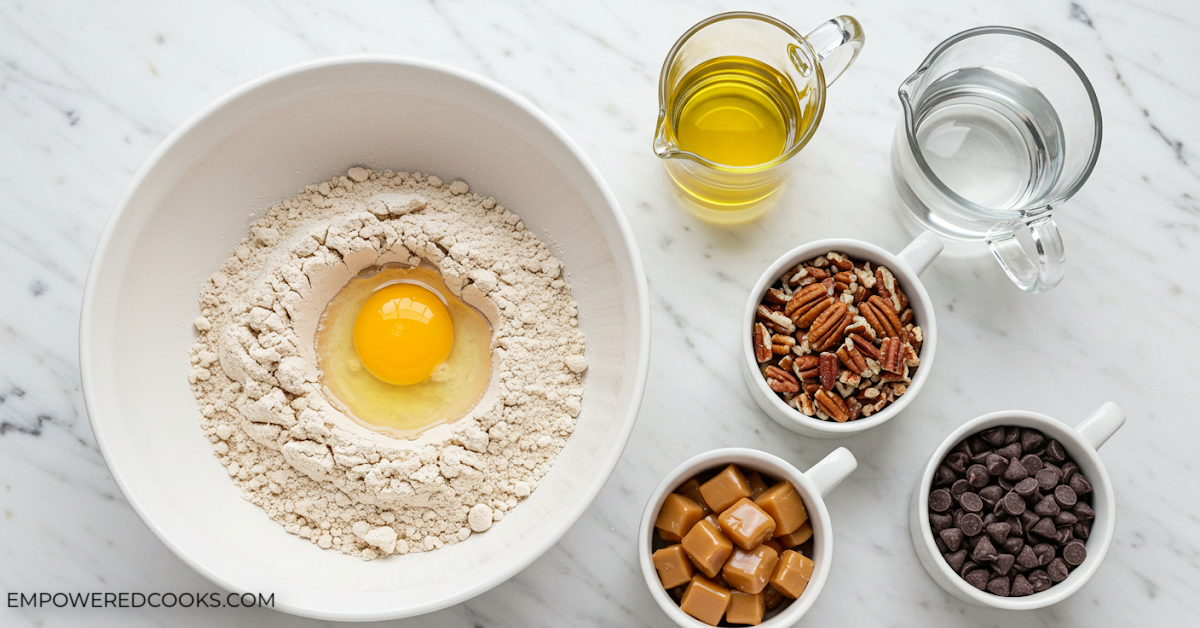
[
  {"x": 1101, "y": 424},
  {"x": 837, "y": 44},
  {"x": 830, "y": 471},
  {"x": 1050, "y": 265},
  {"x": 920, "y": 253}
]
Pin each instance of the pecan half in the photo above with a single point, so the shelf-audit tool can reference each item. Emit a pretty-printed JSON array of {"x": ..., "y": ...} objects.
[
  {"x": 807, "y": 295},
  {"x": 826, "y": 330},
  {"x": 851, "y": 357},
  {"x": 781, "y": 344},
  {"x": 762, "y": 343},
  {"x": 806, "y": 314},
  {"x": 777, "y": 319},
  {"x": 781, "y": 381},
  {"x": 839, "y": 260},
  {"x": 854, "y": 407},
  {"x": 891, "y": 361},
  {"x": 832, "y": 405},
  {"x": 775, "y": 296},
  {"x": 828, "y": 370},
  {"x": 865, "y": 346}
]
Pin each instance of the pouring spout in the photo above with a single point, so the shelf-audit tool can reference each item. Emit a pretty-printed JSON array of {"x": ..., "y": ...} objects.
[{"x": 664, "y": 145}]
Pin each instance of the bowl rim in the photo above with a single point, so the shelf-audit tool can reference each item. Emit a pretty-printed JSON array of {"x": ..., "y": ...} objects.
[
  {"x": 1077, "y": 448},
  {"x": 102, "y": 255},
  {"x": 814, "y": 502},
  {"x": 928, "y": 346}
]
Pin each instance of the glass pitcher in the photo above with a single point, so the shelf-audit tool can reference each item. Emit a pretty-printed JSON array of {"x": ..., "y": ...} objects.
[
  {"x": 787, "y": 72},
  {"x": 1000, "y": 127}
]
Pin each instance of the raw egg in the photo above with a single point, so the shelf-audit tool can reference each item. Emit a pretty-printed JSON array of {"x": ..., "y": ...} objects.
[
  {"x": 399, "y": 353},
  {"x": 403, "y": 333}
]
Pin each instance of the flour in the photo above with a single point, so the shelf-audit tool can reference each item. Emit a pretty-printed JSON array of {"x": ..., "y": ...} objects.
[{"x": 314, "y": 470}]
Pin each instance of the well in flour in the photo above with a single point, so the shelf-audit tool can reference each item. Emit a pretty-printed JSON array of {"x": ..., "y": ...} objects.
[{"x": 318, "y": 473}]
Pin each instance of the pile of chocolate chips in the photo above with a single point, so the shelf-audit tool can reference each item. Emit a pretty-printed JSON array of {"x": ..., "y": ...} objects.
[{"x": 1010, "y": 511}]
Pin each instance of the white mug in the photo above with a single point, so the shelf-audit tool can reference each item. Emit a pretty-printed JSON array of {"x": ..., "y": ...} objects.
[
  {"x": 1080, "y": 443},
  {"x": 906, "y": 266},
  {"x": 812, "y": 486}
]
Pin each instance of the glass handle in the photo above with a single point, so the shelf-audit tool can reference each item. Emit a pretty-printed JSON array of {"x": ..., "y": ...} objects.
[
  {"x": 1032, "y": 277},
  {"x": 837, "y": 44}
]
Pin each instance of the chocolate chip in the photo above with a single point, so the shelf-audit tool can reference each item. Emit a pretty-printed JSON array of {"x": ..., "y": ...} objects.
[
  {"x": 1020, "y": 587},
  {"x": 978, "y": 579},
  {"x": 1012, "y": 434},
  {"x": 994, "y": 436},
  {"x": 971, "y": 524},
  {"x": 939, "y": 500},
  {"x": 1013, "y": 504},
  {"x": 1065, "y": 495},
  {"x": 1080, "y": 485},
  {"x": 1045, "y": 553},
  {"x": 1031, "y": 439},
  {"x": 1027, "y": 558},
  {"x": 956, "y": 559},
  {"x": 1014, "y": 544},
  {"x": 984, "y": 551},
  {"x": 971, "y": 502},
  {"x": 990, "y": 495},
  {"x": 958, "y": 488},
  {"x": 1040, "y": 580},
  {"x": 998, "y": 531},
  {"x": 1032, "y": 463},
  {"x": 1046, "y": 528},
  {"x": 943, "y": 476},
  {"x": 1026, "y": 487},
  {"x": 989, "y": 519},
  {"x": 996, "y": 464},
  {"x": 1005, "y": 484},
  {"x": 1015, "y": 471},
  {"x": 1029, "y": 518},
  {"x": 967, "y": 567},
  {"x": 957, "y": 461},
  {"x": 1068, "y": 471},
  {"x": 1082, "y": 530},
  {"x": 1003, "y": 563},
  {"x": 998, "y": 586},
  {"x": 1048, "y": 478},
  {"x": 1010, "y": 451},
  {"x": 1083, "y": 511},
  {"x": 1065, "y": 535},
  {"x": 952, "y": 537},
  {"x": 1047, "y": 507},
  {"x": 1057, "y": 570},
  {"x": 977, "y": 476},
  {"x": 1017, "y": 528},
  {"x": 1055, "y": 451},
  {"x": 1074, "y": 553},
  {"x": 938, "y": 522},
  {"x": 1065, "y": 518}
]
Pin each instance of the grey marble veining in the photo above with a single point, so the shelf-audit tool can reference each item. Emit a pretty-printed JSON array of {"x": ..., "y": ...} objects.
[{"x": 88, "y": 89}]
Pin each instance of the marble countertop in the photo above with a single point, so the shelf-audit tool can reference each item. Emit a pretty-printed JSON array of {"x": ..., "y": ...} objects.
[{"x": 88, "y": 89}]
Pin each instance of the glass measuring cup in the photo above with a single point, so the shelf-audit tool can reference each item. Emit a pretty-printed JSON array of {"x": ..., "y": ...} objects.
[
  {"x": 798, "y": 69},
  {"x": 1000, "y": 127}
]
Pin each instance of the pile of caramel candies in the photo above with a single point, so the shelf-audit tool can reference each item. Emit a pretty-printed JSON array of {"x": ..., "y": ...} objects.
[{"x": 729, "y": 545}]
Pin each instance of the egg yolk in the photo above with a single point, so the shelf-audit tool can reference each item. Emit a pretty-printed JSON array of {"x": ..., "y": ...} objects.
[{"x": 402, "y": 333}]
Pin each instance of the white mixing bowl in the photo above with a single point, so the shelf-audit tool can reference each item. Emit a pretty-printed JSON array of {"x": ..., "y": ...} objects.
[{"x": 192, "y": 202}]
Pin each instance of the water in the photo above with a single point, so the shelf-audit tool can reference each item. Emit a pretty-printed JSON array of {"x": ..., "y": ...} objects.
[{"x": 991, "y": 137}]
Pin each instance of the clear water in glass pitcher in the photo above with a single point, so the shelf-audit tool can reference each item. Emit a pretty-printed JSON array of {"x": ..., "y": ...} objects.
[{"x": 990, "y": 137}]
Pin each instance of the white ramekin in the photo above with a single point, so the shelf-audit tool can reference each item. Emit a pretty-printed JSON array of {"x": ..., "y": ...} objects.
[
  {"x": 906, "y": 266},
  {"x": 1080, "y": 443},
  {"x": 812, "y": 485}
]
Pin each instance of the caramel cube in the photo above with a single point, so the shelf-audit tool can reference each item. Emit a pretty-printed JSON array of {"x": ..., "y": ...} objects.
[
  {"x": 707, "y": 548},
  {"x": 746, "y": 524},
  {"x": 756, "y": 484},
  {"x": 691, "y": 490},
  {"x": 673, "y": 566},
  {"x": 677, "y": 517},
  {"x": 725, "y": 488},
  {"x": 705, "y": 600},
  {"x": 792, "y": 573},
  {"x": 746, "y": 608},
  {"x": 792, "y": 539},
  {"x": 750, "y": 571},
  {"x": 784, "y": 505}
]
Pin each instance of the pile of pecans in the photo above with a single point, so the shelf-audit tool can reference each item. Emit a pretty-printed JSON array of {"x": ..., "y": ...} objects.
[{"x": 835, "y": 338}]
